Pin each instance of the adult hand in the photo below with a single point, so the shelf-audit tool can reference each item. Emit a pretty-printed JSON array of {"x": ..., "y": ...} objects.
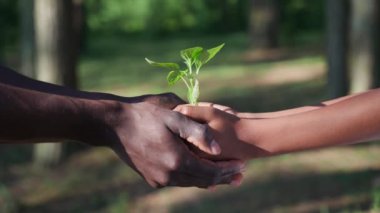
[{"x": 152, "y": 140}]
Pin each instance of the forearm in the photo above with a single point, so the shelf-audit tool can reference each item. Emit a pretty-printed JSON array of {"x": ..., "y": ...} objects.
[
  {"x": 34, "y": 111},
  {"x": 353, "y": 120},
  {"x": 288, "y": 112},
  {"x": 31, "y": 116},
  {"x": 277, "y": 114}
]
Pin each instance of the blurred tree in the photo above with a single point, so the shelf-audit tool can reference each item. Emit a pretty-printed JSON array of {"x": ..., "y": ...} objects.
[
  {"x": 55, "y": 58},
  {"x": 163, "y": 17},
  {"x": 27, "y": 37},
  {"x": 362, "y": 41},
  {"x": 376, "y": 76},
  {"x": 9, "y": 24},
  {"x": 79, "y": 25},
  {"x": 233, "y": 15},
  {"x": 302, "y": 21},
  {"x": 337, "y": 46},
  {"x": 264, "y": 23},
  {"x": 176, "y": 16}
]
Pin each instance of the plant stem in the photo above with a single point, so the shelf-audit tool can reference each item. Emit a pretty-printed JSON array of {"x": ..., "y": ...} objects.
[
  {"x": 189, "y": 66},
  {"x": 187, "y": 85}
]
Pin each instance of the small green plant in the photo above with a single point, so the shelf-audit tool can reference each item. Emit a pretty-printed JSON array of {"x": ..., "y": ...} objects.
[{"x": 194, "y": 59}]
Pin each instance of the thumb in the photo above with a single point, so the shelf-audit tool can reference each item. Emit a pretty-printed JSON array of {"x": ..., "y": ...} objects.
[
  {"x": 219, "y": 107},
  {"x": 195, "y": 133}
]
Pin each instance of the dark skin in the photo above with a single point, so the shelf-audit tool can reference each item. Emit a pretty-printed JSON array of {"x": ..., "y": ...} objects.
[{"x": 143, "y": 131}]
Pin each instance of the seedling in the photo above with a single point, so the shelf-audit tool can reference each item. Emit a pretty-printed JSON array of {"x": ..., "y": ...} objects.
[{"x": 194, "y": 59}]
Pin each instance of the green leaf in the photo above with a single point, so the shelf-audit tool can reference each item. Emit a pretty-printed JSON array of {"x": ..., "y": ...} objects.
[
  {"x": 174, "y": 76},
  {"x": 172, "y": 66},
  {"x": 203, "y": 57},
  {"x": 191, "y": 53},
  {"x": 212, "y": 52}
]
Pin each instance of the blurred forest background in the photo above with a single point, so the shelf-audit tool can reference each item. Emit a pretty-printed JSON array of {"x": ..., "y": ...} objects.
[{"x": 278, "y": 54}]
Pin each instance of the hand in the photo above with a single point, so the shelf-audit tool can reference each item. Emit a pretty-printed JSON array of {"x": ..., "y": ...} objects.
[
  {"x": 227, "y": 129},
  {"x": 150, "y": 139}
]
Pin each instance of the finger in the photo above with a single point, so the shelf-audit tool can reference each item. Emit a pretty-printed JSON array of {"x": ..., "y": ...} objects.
[
  {"x": 199, "y": 113},
  {"x": 237, "y": 179},
  {"x": 186, "y": 179},
  {"x": 195, "y": 133},
  {"x": 218, "y": 106},
  {"x": 214, "y": 173},
  {"x": 234, "y": 180},
  {"x": 229, "y": 166}
]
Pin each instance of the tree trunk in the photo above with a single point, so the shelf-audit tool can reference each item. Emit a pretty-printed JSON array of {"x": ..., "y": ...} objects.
[
  {"x": 55, "y": 58},
  {"x": 79, "y": 25},
  {"x": 362, "y": 41},
  {"x": 337, "y": 47},
  {"x": 264, "y": 23},
  {"x": 376, "y": 76},
  {"x": 27, "y": 38}
]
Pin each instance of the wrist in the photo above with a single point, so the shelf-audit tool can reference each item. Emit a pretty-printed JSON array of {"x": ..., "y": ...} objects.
[
  {"x": 99, "y": 119},
  {"x": 254, "y": 132}
]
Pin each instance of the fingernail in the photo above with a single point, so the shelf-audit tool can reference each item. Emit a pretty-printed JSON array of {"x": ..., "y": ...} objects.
[
  {"x": 215, "y": 148},
  {"x": 178, "y": 108}
]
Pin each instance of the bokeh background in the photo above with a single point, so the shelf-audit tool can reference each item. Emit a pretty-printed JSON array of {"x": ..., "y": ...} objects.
[{"x": 279, "y": 54}]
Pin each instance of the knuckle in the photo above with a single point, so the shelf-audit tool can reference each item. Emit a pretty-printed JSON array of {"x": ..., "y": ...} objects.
[
  {"x": 202, "y": 131},
  {"x": 177, "y": 117},
  {"x": 174, "y": 118},
  {"x": 151, "y": 99}
]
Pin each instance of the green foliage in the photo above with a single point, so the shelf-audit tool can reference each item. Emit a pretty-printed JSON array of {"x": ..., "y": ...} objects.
[
  {"x": 210, "y": 54},
  {"x": 175, "y": 76},
  {"x": 117, "y": 15},
  {"x": 9, "y": 25},
  {"x": 301, "y": 18},
  {"x": 172, "y": 66},
  {"x": 194, "y": 58},
  {"x": 164, "y": 17}
]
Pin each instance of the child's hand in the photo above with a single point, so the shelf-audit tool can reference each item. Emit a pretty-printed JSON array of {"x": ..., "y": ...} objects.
[{"x": 225, "y": 127}]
